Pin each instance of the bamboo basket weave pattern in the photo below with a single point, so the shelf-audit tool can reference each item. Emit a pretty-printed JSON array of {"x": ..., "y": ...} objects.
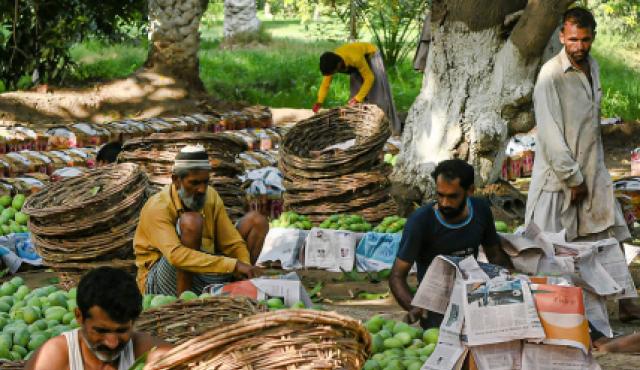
[
  {"x": 181, "y": 321},
  {"x": 323, "y": 177},
  {"x": 85, "y": 222},
  {"x": 72, "y": 197},
  {"x": 287, "y": 339},
  {"x": 304, "y": 148},
  {"x": 12, "y": 365}
]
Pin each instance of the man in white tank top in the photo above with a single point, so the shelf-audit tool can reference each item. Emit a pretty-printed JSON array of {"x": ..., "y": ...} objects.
[{"x": 109, "y": 302}]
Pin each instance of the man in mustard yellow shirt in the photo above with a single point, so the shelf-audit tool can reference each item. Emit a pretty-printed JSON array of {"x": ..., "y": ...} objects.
[
  {"x": 368, "y": 78},
  {"x": 185, "y": 239}
]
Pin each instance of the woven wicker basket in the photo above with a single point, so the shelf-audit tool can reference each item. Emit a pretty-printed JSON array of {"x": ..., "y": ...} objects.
[
  {"x": 322, "y": 177},
  {"x": 181, "y": 321},
  {"x": 70, "y": 274},
  {"x": 81, "y": 223},
  {"x": 72, "y": 199},
  {"x": 156, "y": 153},
  {"x": 221, "y": 144},
  {"x": 304, "y": 150},
  {"x": 12, "y": 365},
  {"x": 287, "y": 339}
]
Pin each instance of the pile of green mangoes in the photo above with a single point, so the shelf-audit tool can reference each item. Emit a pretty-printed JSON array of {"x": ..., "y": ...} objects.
[
  {"x": 391, "y": 224},
  {"x": 391, "y": 159},
  {"x": 346, "y": 222},
  {"x": 158, "y": 300},
  {"x": 275, "y": 304},
  {"x": 12, "y": 220},
  {"x": 292, "y": 220},
  {"x": 398, "y": 346},
  {"x": 28, "y": 318}
]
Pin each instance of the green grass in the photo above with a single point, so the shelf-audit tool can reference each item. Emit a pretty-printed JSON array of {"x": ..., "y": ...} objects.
[
  {"x": 97, "y": 61},
  {"x": 620, "y": 75},
  {"x": 285, "y": 72}
]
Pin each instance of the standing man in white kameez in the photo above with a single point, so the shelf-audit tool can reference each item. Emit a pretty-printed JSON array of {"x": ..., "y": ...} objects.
[{"x": 570, "y": 186}]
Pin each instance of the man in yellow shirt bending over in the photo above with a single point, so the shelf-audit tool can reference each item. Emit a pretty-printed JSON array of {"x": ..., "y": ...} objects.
[
  {"x": 369, "y": 83},
  {"x": 185, "y": 239}
]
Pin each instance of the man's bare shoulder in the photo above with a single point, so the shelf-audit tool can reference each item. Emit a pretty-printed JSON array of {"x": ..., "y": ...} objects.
[{"x": 53, "y": 354}]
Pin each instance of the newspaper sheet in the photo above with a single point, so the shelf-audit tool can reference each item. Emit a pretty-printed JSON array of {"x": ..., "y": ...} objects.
[
  {"x": 630, "y": 252},
  {"x": 436, "y": 287},
  {"x": 596, "y": 311},
  {"x": 613, "y": 260},
  {"x": 500, "y": 356},
  {"x": 500, "y": 310},
  {"x": 333, "y": 250},
  {"x": 549, "y": 357},
  {"x": 562, "y": 314},
  {"x": 450, "y": 352},
  {"x": 598, "y": 266},
  {"x": 283, "y": 245}
]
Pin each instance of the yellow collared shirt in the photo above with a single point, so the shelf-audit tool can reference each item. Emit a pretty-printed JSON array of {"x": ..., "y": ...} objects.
[{"x": 156, "y": 236}]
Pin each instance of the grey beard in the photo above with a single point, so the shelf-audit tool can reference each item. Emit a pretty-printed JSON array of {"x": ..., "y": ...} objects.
[
  {"x": 194, "y": 202},
  {"x": 101, "y": 355}
]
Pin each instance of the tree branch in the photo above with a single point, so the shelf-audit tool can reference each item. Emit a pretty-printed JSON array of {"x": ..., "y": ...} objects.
[{"x": 536, "y": 25}]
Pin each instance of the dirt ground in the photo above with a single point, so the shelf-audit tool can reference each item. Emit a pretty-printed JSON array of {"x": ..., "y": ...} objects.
[{"x": 144, "y": 94}]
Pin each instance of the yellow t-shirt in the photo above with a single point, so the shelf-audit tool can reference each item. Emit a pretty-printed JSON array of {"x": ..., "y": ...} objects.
[
  {"x": 355, "y": 56},
  {"x": 156, "y": 236}
]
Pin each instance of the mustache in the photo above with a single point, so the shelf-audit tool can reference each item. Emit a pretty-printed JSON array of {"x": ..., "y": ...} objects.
[{"x": 104, "y": 349}]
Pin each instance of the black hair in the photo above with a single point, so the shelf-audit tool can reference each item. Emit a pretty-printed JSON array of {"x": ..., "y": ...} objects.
[
  {"x": 452, "y": 169},
  {"x": 113, "y": 290},
  {"x": 109, "y": 152},
  {"x": 329, "y": 63},
  {"x": 581, "y": 17}
]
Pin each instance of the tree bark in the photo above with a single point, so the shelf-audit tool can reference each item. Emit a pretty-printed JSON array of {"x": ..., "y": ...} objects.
[
  {"x": 240, "y": 16},
  {"x": 175, "y": 40},
  {"x": 477, "y": 88}
]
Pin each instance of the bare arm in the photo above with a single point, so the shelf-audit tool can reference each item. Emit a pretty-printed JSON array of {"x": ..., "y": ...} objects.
[
  {"x": 51, "y": 355},
  {"x": 398, "y": 283},
  {"x": 497, "y": 256}
]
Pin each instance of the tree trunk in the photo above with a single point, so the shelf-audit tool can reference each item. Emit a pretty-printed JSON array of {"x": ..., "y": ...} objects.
[
  {"x": 477, "y": 88},
  {"x": 175, "y": 40},
  {"x": 240, "y": 17}
]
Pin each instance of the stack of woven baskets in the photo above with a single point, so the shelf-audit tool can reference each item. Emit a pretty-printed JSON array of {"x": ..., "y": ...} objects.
[
  {"x": 281, "y": 340},
  {"x": 156, "y": 153},
  {"x": 332, "y": 163},
  {"x": 81, "y": 223}
]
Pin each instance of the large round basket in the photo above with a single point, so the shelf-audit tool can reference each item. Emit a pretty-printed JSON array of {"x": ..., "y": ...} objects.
[
  {"x": 181, "y": 321},
  {"x": 332, "y": 163},
  {"x": 74, "y": 202},
  {"x": 309, "y": 149},
  {"x": 279, "y": 340}
]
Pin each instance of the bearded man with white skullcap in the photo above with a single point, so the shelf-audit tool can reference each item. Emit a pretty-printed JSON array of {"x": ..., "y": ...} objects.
[{"x": 185, "y": 239}]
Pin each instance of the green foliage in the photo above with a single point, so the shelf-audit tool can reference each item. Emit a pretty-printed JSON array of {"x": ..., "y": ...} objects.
[
  {"x": 247, "y": 38},
  {"x": 620, "y": 75},
  {"x": 36, "y": 36},
  {"x": 618, "y": 17},
  {"x": 394, "y": 25}
]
